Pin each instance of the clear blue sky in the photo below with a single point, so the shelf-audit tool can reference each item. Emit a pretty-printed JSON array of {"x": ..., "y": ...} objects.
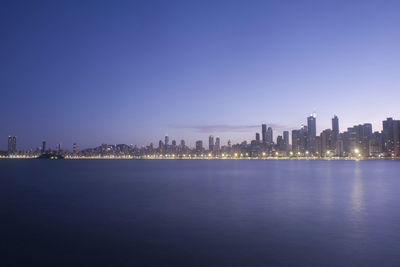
[{"x": 97, "y": 72}]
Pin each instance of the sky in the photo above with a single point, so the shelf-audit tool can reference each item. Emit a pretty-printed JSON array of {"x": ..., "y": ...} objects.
[{"x": 93, "y": 72}]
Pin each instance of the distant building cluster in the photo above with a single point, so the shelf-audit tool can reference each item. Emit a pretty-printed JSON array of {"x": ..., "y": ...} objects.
[{"x": 358, "y": 141}]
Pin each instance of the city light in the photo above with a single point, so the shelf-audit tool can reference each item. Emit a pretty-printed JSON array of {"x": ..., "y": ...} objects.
[{"x": 329, "y": 144}]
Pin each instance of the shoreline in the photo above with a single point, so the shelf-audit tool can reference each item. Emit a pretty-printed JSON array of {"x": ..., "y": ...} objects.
[{"x": 211, "y": 158}]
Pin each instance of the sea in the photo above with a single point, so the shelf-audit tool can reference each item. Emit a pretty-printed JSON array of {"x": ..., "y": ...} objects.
[{"x": 199, "y": 212}]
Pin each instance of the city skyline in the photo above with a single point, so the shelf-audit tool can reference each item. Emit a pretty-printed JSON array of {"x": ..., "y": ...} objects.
[
  {"x": 360, "y": 140},
  {"x": 128, "y": 72},
  {"x": 252, "y": 131}
]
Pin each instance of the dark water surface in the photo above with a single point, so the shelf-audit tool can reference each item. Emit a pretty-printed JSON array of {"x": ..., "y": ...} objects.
[{"x": 199, "y": 213}]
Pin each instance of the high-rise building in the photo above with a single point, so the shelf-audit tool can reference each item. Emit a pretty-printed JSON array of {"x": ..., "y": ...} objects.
[
  {"x": 183, "y": 143},
  {"x": 375, "y": 144},
  {"x": 280, "y": 143},
  {"x": 10, "y": 143},
  {"x": 264, "y": 132},
  {"x": 299, "y": 140},
  {"x": 14, "y": 145},
  {"x": 257, "y": 137},
  {"x": 44, "y": 147},
  {"x": 335, "y": 125},
  {"x": 327, "y": 146},
  {"x": 335, "y": 129},
  {"x": 199, "y": 146},
  {"x": 270, "y": 137},
  {"x": 58, "y": 149},
  {"x": 286, "y": 139},
  {"x": 160, "y": 145},
  {"x": 211, "y": 143},
  {"x": 166, "y": 140},
  {"x": 173, "y": 143},
  {"x": 312, "y": 133},
  {"x": 391, "y": 137},
  {"x": 217, "y": 144},
  {"x": 356, "y": 139}
]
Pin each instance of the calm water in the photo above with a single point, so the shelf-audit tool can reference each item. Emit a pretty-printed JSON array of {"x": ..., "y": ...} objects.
[{"x": 199, "y": 213}]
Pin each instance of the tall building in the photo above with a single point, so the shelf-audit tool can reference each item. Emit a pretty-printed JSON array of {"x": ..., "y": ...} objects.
[
  {"x": 264, "y": 132},
  {"x": 199, "y": 146},
  {"x": 211, "y": 143},
  {"x": 335, "y": 125},
  {"x": 335, "y": 129},
  {"x": 58, "y": 149},
  {"x": 299, "y": 140},
  {"x": 327, "y": 146},
  {"x": 257, "y": 137},
  {"x": 183, "y": 143},
  {"x": 10, "y": 143},
  {"x": 44, "y": 147},
  {"x": 375, "y": 144},
  {"x": 357, "y": 138},
  {"x": 14, "y": 145},
  {"x": 166, "y": 140},
  {"x": 312, "y": 133},
  {"x": 160, "y": 145},
  {"x": 286, "y": 139},
  {"x": 280, "y": 143},
  {"x": 270, "y": 138},
  {"x": 391, "y": 137},
  {"x": 217, "y": 144}
]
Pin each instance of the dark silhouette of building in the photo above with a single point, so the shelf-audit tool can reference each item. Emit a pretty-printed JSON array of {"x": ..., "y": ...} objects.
[
  {"x": 270, "y": 137},
  {"x": 211, "y": 143},
  {"x": 312, "y": 133},
  {"x": 199, "y": 146},
  {"x": 9, "y": 145},
  {"x": 286, "y": 139},
  {"x": 44, "y": 147},
  {"x": 217, "y": 146},
  {"x": 264, "y": 132}
]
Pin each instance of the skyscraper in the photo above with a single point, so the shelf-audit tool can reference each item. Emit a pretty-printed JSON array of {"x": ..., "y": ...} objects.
[
  {"x": 217, "y": 144},
  {"x": 335, "y": 125},
  {"x": 327, "y": 147},
  {"x": 270, "y": 137},
  {"x": 299, "y": 140},
  {"x": 264, "y": 132},
  {"x": 286, "y": 139},
  {"x": 312, "y": 133},
  {"x": 211, "y": 143},
  {"x": 335, "y": 130},
  {"x": 14, "y": 145},
  {"x": 257, "y": 137},
  {"x": 43, "y": 147},
  {"x": 199, "y": 146},
  {"x": 9, "y": 145},
  {"x": 391, "y": 136},
  {"x": 280, "y": 143},
  {"x": 160, "y": 145},
  {"x": 166, "y": 140}
]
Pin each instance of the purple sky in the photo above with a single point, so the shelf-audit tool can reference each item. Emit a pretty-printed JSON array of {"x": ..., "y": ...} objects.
[{"x": 95, "y": 72}]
